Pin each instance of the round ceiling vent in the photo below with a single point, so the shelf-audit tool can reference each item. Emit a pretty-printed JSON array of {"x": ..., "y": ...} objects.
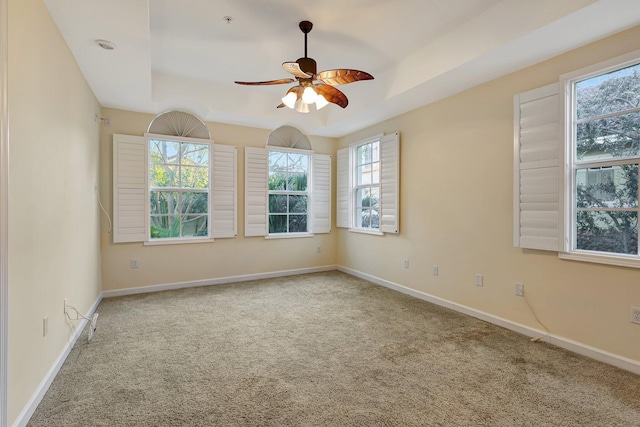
[
  {"x": 179, "y": 123},
  {"x": 290, "y": 137}
]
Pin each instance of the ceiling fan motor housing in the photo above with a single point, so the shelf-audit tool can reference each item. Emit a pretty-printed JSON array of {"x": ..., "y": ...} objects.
[{"x": 308, "y": 65}]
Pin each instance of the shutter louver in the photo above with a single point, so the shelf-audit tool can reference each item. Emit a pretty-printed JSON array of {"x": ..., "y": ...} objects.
[
  {"x": 224, "y": 191},
  {"x": 321, "y": 170},
  {"x": 537, "y": 166},
  {"x": 390, "y": 183},
  {"x": 256, "y": 190},
  {"x": 343, "y": 217},
  {"x": 129, "y": 189}
]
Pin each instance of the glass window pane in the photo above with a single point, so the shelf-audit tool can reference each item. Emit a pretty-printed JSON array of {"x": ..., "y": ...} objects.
[
  {"x": 163, "y": 202},
  {"x": 195, "y": 203},
  {"x": 375, "y": 151},
  {"x": 298, "y": 204},
  {"x": 194, "y": 226},
  {"x": 277, "y": 161},
  {"x": 608, "y": 93},
  {"x": 165, "y": 226},
  {"x": 297, "y": 223},
  {"x": 277, "y": 223},
  {"x": 374, "y": 198},
  {"x": 164, "y": 151},
  {"x": 297, "y": 182},
  {"x": 375, "y": 173},
  {"x": 613, "y": 137},
  {"x": 363, "y": 196},
  {"x": 608, "y": 187},
  {"x": 194, "y": 177},
  {"x": 163, "y": 176},
  {"x": 363, "y": 154},
  {"x": 298, "y": 163},
  {"x": 364, "y": 175},
  {"x": 615, "y": 232},
  {"x": 277, "y": 181},
  {"x": 277, "y": 203},
  {"x": 195, "y": 154}
]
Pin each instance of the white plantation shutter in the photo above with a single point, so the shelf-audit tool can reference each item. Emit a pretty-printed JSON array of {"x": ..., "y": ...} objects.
[
  {"x": 389, "y": 183},
  {"x": 537, "y": 167},
  {"x": 343, "y": 185},
  {"x": 255, "y": 185},
  {"x": 224, "y": 191},
  {"x": 129, "y": 189},
  {"x": 321, "y": 192}
]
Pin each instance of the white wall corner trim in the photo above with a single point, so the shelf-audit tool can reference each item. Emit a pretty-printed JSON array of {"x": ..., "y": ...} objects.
[
  {"x": 36, "y": 398},
  {"x": 216, "y": 281},
  {"x": 4, "y": 212},
  {"x": 568, "y": 344}
]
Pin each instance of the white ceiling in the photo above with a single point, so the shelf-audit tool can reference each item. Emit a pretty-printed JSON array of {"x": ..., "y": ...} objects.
[{"x": 182, "y": 54}]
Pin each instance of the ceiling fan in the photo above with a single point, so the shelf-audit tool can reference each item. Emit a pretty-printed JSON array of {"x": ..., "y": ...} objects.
[{"x": 313, "y": 88}]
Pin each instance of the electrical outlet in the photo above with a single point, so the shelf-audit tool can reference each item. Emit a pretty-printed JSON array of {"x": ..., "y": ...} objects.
[
  {"x": 520, "y": 289},
  {"x": 479, "y": 280},
  {"x": 434, "y": 270},
  {"x": 45, "y": 326},
  {"x": 134, "y": 263},
  {"x": 635, "y": 315},
  {"x": 406, "y": 263},
  {"x": 318, "y": 250}
]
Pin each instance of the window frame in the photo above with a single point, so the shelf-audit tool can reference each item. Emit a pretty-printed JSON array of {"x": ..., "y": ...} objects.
[
  {"x": 571, "y": 164},
  {"x": 209, "y": 191},
  {"x": 308, "y": 193},
  {"x": 356, "y": 165}
]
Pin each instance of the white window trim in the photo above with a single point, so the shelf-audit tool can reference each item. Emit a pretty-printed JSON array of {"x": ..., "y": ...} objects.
[
  {"x": 567, "y": 140},
  {"x": 169, "y": 240}
]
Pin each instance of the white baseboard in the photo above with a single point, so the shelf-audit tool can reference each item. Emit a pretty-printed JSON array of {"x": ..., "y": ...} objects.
[
  {"x": 36, "y": 398},
  {"x": 217, "y": 281},
  {"x": 568, "y": 344}
]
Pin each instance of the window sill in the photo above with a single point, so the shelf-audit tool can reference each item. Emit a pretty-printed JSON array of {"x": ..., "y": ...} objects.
[
  {"x": 176, "y": 241},
  {"x": 602, "y": 258},
  {"x": 367, "y": 231},
  {"x": 288, "y": 235}
]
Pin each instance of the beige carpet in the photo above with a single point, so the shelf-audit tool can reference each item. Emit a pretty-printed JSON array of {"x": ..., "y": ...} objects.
[{"x": 324, "y": 349}]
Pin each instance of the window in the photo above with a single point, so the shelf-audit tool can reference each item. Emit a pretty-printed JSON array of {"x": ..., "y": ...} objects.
[
  {"x": 288, "y": 192},
  {"x": 170, "y": 189},
  {"x": 179, "y": 191},
  {"x": 604, "y": 150},
  {"x": 576, "y": 173},
  {"x": 368, "y": 185}
]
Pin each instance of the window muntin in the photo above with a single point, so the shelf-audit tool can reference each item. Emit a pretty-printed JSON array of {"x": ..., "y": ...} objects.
[
  {"x": 367, "y": 185},
  {"x": 605, "y": 151},
  {"x": 288, "y": 192},
  {"x": 179, "y": 189}
]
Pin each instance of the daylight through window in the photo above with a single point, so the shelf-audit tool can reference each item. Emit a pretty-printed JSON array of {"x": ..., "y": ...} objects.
[{"x": 288, "y": 192}]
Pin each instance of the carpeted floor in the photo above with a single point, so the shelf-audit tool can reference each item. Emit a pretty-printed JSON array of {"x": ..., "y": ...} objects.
[{"x": 323, "y": 349}]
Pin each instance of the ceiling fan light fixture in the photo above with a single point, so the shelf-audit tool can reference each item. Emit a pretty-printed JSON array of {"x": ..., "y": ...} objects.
[
  {"x": 302, "y": 107},
  {"x": 290, "y": 100},
  {"x": 309, "y": 96},
  {"x": 321, "y": 102}
]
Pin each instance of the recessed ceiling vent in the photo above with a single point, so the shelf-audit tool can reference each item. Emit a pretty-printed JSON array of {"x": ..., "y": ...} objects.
[
  {"x": 179, "y": 123},
  {"x": 289, "y": 137}
]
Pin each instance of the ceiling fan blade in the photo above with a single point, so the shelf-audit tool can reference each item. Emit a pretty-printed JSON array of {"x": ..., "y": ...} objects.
[
  {"x": 333, "y": 95},
  {"x": 343, "y": 76},
  {"x": 268, "y": 82},
  {"x": 294, "y": 68}
]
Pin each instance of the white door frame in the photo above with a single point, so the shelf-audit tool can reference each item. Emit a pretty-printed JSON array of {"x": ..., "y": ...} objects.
[{"x": 4, "y": 204}]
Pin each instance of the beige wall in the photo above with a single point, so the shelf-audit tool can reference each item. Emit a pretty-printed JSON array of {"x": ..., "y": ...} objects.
[
  {"x": 457, "y": 213},
  {"x": 166, "y": 264},
  {"x": 54, "y": 247}
]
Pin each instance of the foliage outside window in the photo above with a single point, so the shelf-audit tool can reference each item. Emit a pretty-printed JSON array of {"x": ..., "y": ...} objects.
[
  {"x": 179, "y": 189},
  {"x": 605, "y": 157},
  {"x": 288, "y": 192},
  {"x": 367, "y": 185}
]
